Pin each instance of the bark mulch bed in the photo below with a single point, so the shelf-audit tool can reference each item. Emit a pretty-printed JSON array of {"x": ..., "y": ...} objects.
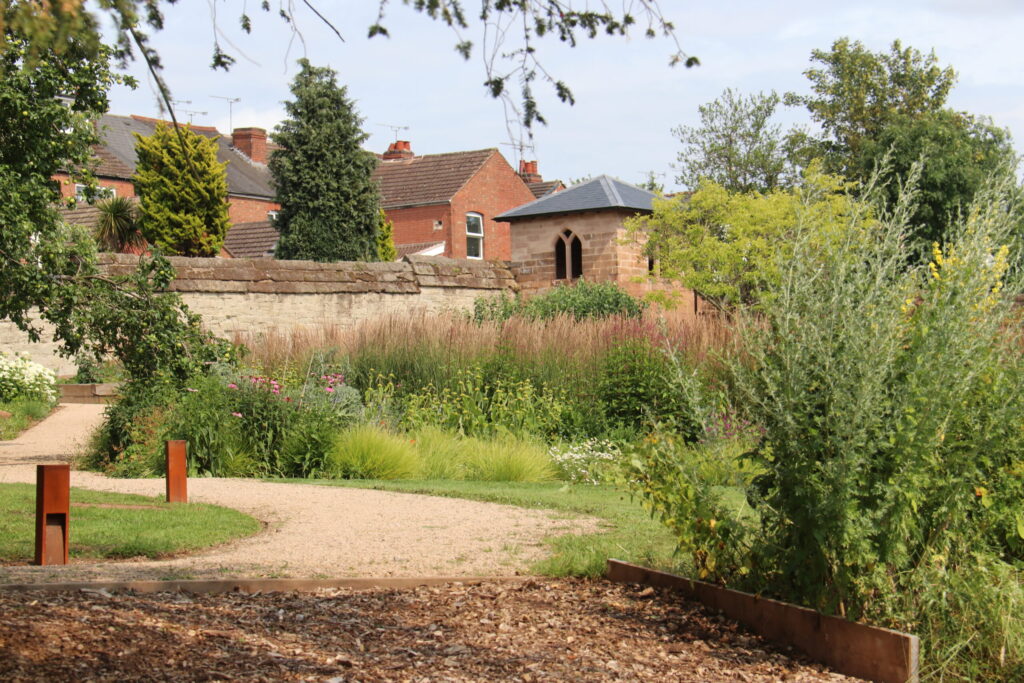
[{"x": 537, "y": 630}]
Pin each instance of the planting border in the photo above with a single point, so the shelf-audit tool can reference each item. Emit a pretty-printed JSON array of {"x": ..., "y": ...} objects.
[
  {"x": 870, "y": 652},
  {"x": 255, "y": 585}
]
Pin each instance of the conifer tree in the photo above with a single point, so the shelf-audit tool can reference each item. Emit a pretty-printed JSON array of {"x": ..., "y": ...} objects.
[
  {"x": 183, "y": 192},
  {"x": 329, "y": 201},
  {"x": 386, "y": 239}
]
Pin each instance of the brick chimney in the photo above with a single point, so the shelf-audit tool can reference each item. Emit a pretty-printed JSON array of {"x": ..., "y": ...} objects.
[
  {"x": 399, "y": 149},
  {"x": 252, "y": 142},
  {"x": 528, "y": 171}
]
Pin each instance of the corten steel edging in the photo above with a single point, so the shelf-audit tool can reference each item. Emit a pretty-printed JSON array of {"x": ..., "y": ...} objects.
[
  {"x": 256, "y": 585},
  {"x": 177, "y": 471},
  {"x": 870, "y": 652},
  {"x": 53, "y": 505}
]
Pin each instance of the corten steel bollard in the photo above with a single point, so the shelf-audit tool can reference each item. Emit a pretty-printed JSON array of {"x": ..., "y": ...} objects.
[
  {"x": 177, "y": 472},
  {"x": 53, "y": 483}
]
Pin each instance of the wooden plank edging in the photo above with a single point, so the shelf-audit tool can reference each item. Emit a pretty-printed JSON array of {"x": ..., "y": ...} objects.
[
  {"x": 869, "y": 652},
  {"x": 256, "y": 585}
]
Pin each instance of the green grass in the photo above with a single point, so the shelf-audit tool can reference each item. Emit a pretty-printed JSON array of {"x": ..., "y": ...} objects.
[
  {"x": 158, "y": 530},
  {"x": 24, "y": 412},
  {"x": 628, "y": 532}
]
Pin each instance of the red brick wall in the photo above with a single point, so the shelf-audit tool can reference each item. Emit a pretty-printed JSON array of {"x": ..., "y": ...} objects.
[
  {"x": 416, "y": 224},
  {"x": 124, "y": 188},
  {"x": 245, "y": 210},
  {"x": 495, "y": 189}
]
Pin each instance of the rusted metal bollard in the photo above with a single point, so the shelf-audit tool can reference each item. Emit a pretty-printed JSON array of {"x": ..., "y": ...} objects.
[
  {"x": 53, "y": 484},
  {"x": 177, "y": 472}
]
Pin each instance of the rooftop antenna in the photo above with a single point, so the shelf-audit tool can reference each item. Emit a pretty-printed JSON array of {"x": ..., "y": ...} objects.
[
  {"x": 231, "y": 102},
  {"x": 394, "y": 128},
  {"x": 192, "y": 113},
  {"x": 520, "y": 148}
]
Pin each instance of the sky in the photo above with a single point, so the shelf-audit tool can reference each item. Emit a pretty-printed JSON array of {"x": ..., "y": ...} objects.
[{"x": 628, "y": 99}]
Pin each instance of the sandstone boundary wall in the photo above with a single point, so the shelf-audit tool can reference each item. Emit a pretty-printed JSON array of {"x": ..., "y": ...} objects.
[{"x": 240, "y": 296}]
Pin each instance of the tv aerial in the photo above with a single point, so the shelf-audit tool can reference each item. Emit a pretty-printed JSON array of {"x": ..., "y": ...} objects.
[
  {"x": 231, "y": 102},
  {"x": 395, "y": 129}
]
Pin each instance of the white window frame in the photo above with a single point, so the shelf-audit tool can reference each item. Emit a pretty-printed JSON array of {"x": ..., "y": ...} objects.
[
  {"x": 102, "y": 192},
  {"x": 477, "y": 237}
]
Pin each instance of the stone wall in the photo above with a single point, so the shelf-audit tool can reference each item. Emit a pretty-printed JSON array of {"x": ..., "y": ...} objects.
[{"x": 239, "y": 296}]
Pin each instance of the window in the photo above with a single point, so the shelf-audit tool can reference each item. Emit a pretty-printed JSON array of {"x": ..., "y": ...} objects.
[
  {"x": 474, "y": 235},
  {"x": 568, "y": 256},
  {"x": 272, "y": 215},
  {"x": 101, "y": 193}
]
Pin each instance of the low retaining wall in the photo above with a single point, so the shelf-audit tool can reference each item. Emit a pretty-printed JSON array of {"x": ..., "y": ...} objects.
[
  {"x": 870, "y": 652},
  {"x": 240, "y": 296}
]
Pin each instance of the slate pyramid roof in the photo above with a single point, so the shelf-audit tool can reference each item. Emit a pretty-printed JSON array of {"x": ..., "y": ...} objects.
[{"x": 602, "y": 192}]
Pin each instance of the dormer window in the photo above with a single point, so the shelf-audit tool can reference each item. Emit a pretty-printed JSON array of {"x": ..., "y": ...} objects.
[{"x": 474, "y": 235}]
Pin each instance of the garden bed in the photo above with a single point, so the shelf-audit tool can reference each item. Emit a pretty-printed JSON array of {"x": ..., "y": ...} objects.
[{"x": 536, "y": 630}]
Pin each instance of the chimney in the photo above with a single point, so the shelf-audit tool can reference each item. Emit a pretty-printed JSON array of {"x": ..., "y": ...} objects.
[
  {"x": 528, "y": 171},
  {"x": 252, "y": 142},
  {"x": 399, "y": 149}
]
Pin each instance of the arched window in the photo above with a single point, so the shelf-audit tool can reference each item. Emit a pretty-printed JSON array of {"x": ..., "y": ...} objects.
[{"x": 568, "y": 256}]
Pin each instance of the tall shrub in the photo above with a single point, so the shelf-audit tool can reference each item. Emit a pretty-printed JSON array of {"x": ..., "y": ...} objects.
[
  {"x": 183, "y": 192},
  {"x": 890, "y": 471},
  {"x": 329, "y": 201}
]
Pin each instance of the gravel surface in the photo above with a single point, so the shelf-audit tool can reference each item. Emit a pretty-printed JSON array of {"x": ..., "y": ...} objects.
[
  {"x": 539, "y": 630},
  {"x": 310, "y": 531}
]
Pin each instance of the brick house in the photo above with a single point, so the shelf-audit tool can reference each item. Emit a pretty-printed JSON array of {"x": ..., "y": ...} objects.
[
  {"x": 250, "y": 191},
  {"x": 445, "y": 204},
  {"x": 580, "y": 233}
]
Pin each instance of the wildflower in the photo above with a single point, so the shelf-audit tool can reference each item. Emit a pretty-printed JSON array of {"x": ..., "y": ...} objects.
[
  {"x": 232, "y": 386},
  {"x": 191, "y": 389},
  {"x": 236, "y": 414},
  {"x": 329, "y": 390}
]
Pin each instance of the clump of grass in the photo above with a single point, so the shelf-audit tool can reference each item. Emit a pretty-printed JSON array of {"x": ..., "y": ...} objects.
[
  {"x": 24, "y": 411},
  {"x": 442, "y": 453},
  {"x": 365, "y": 452},
  {"x": 507, "y": 459}
]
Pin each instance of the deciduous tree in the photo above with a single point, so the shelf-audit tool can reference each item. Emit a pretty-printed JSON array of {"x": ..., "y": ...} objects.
[
  {"x": 329, "y": 201},
  {"x": 736, "y": 144}
]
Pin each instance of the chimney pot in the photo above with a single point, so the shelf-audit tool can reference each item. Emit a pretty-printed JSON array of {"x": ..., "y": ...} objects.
[
  {"x": 399, "y": 149},
  {"x": 528, "y": 172}
]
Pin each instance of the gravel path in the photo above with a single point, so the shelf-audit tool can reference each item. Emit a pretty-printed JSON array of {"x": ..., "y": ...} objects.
[{"x": 310, "y": 531}]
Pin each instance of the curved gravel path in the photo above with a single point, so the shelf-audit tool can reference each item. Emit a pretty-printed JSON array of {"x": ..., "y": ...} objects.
[{"x": 310, "y": 531}]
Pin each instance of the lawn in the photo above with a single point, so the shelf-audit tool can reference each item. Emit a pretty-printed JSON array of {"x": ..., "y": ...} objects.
[
  {"x": 138, "y": 527},
  {"x": 629, "y": 533},
  {"x": 24, "y": 413}
]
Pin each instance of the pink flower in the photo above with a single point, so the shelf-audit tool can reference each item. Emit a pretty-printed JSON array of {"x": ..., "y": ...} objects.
[
  {"x": 275, "y": 390},
  {"x": 232, "y": 386},
  {"x": 329, "y": 390},
  {"x": 237, "y": 414}
]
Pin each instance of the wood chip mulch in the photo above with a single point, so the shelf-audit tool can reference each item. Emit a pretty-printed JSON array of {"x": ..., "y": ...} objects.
[{"x": 537, "y": 630}]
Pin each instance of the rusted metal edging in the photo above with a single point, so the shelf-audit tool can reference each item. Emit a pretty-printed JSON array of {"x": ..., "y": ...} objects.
[
  {"x": 870, "y": 652},
  {"x": 256, "y": 585}
]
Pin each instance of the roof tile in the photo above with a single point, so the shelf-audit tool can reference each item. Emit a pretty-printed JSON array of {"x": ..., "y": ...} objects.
[{"x": 429, "y": 179}]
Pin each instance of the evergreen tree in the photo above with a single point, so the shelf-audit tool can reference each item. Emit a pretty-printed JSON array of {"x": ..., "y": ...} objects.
[
  {"x": 329, "y": 201},
  {"x": 385, "y": 239},
  {"x": 183, "y": 192}
]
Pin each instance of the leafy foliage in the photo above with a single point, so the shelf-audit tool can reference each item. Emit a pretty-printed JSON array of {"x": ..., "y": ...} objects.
[
  {"x": 889, "y": 472},
  {"x": 117, "y": 228},
  {"x": 329, "y": 201},
  {"x": 183, "y": 192},
  {"x": 727, "y": 245},
  {"x": 22, "y": 378},
  {"x": 385, "y": 239},
  {"x": 579, "y": 301},
  {"x": 856, "y": 93},
  {"x": 735, "y": 145}
]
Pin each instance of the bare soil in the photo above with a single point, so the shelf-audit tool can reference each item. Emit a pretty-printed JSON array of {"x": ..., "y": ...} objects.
[{"x": 539, "y": 630}]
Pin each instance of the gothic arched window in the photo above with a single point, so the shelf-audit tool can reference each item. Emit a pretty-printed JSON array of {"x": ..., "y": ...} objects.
[{"x": 568, "y": 256}]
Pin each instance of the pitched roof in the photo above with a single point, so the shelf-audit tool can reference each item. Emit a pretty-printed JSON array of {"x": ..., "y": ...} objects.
[
  {"x": 420, "y": 248},
  {"x": 543, "y": 188},
  {"x": 118, "y": 159},
  {"x": 603, "y": 192},
  {"x": 429, "y": 179},
  {"x": 85, "y": 215},
  {"x": 251, "y": 240}
]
